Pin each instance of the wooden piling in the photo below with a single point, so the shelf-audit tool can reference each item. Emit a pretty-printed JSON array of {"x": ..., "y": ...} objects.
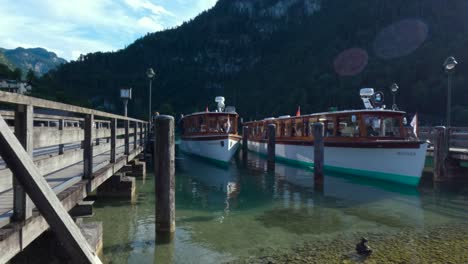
[
  {"x": 318, "y": 155},
  {"x": 271, "y": 147},
  {"x": 441, "y": 151},
  {"x": 164, "y": 169},
  {"x": 245, "y": 149}
]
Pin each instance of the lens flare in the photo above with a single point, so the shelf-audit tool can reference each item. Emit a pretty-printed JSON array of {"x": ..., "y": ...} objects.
[
  {"x": 400, "y": 38},
  {"x": 351, "y": 62}
]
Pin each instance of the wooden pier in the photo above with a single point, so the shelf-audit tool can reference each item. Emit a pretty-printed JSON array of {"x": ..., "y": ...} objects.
[
  {"x": 74, "y": 149},
  {"x": 449, "y": 150}
]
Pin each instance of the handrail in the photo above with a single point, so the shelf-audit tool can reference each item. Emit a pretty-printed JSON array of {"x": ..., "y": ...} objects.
[{"x": 13, "y": 98}]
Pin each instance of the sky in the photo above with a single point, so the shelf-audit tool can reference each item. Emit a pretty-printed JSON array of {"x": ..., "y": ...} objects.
[{"x": 73, "y": 27}]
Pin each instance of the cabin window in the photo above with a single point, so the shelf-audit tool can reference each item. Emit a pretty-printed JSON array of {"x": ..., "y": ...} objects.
[
  {"x": 297, "y": 128},
  {"x": 329, "y": 126},
  {"x": 287, "y": 128},
  {"x": 348, "y": 126},
  {"x": 378, "y": 126},
  {"x": 391, "y": 127}
]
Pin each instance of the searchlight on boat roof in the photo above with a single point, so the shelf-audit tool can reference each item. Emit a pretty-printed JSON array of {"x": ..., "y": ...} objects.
[
  {"x": 220, "y": 100},
  {"x": 366, "y": 95}
]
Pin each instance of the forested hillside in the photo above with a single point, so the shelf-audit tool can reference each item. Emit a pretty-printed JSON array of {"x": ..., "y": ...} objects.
[{"x": 269, "y": 56}]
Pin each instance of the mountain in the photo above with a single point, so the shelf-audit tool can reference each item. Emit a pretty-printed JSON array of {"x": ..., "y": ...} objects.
[
  {"x": 37, "y": 59},
  {"x": 267, "y": 57}
]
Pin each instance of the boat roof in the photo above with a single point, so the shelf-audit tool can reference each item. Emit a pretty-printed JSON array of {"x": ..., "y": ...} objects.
[
  {"x": 211, "y": 113},
  {"x": 334, "y": 113}
]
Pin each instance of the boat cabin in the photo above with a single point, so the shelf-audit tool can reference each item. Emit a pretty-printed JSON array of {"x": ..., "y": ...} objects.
[
  {"x": 210, "y": 123},
  {"x": 339, "y": 126}
]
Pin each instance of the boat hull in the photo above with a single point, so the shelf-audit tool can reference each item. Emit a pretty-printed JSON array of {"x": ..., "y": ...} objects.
[
  {"x": 394, "y": 164},
  {"x": 216, "y": 148}
]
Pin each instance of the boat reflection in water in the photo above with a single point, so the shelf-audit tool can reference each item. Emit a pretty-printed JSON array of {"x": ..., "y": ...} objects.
[{"x": 394, "y": 205}]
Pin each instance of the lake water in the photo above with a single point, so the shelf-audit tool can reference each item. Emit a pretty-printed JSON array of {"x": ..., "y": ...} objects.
[{"x": 242, "y": 214}]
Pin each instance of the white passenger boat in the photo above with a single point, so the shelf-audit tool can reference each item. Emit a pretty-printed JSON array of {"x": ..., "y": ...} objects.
[
  {"x": 211, "y": 135},
  {"x": 373, "y": 142}
]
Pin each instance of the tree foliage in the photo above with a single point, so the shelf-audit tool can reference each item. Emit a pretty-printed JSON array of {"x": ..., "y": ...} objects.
[{"x": 267, "y": 65}]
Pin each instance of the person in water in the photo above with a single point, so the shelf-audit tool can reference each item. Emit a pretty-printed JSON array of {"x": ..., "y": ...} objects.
[{"x": 362, "y": 248}]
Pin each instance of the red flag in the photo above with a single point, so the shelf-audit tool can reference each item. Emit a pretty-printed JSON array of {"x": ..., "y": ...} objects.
[
  {"x": 298, "y": 113},
  {"x": 206, "y": 110}
]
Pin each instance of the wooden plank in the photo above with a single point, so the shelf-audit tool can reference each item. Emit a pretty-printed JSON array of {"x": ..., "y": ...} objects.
[
  {"x": 44, "y": 197},
  {"x": 22, "y": 206},
  {"x": 441, "y": 150},
  {"x": 14, "y": 98},
  {"x": 47, "y": 136}
]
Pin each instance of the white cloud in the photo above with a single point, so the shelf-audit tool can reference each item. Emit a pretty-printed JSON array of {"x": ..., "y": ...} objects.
[
  {"x": 74, "y": 27},
  {"x": 150, "y": 24}
]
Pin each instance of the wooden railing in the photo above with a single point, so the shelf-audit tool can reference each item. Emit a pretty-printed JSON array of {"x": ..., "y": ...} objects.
[
  {"x": 58, "y": 135},
  {"x": 458, "y": 136}
]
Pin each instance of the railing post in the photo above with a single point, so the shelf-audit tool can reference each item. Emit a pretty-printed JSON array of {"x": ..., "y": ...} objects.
[
  {"x": 135, "y": 135},
  {"x": 113, "y": 139},
  {"x": 88, "y": 147},
  {"x": 61, "y": 149},
  {"x": 271, "y": 147},
  {"x": 22, "y": 205},
  {"x": 141, "y": 134},
  {"x": 164, "y": 169},
  {"x": 318, "y": 156},
  {"x": 127, "y": 138}
]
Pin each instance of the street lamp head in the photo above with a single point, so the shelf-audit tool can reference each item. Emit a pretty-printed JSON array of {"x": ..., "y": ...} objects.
[
  {"x": 150, "y": 73},
  {"x": 394, "y": 88},
  {"x": 450, "y": 63}
]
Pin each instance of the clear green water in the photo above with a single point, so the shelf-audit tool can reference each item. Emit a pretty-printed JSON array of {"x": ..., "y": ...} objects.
[{"x": 243, "y": 214}]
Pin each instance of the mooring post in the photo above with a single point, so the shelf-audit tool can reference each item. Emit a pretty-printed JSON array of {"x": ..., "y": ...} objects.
[
  {"x": 164, "y": 162},
  {"x": 61, "y": 126},
  {"x": 441, "y": 150},
  {"x": 22, "y": 206},
  {"x": 271, "y": 147},
  {"x": 245, "y": 147},
  {"x": 318, "y": 155},
  {"x": 113, "y": 139},
  {"x": 127, "y": 138},
  {"x": 88, "y": 147}
]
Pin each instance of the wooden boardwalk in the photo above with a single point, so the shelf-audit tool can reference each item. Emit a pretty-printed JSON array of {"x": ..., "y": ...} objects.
[{"x": 75, "y": 149}]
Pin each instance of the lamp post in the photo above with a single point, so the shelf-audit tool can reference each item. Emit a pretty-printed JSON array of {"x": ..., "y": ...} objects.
[
  {"x": 394, "y": 88},
  {"x": 125, "y": 94},
  {"x": 150, "y": 73},
  {"x": 449, "y": 66}
]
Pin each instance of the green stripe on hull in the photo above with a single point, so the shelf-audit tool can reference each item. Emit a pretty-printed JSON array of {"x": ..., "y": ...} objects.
[{"x": 389, "y": 177}]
